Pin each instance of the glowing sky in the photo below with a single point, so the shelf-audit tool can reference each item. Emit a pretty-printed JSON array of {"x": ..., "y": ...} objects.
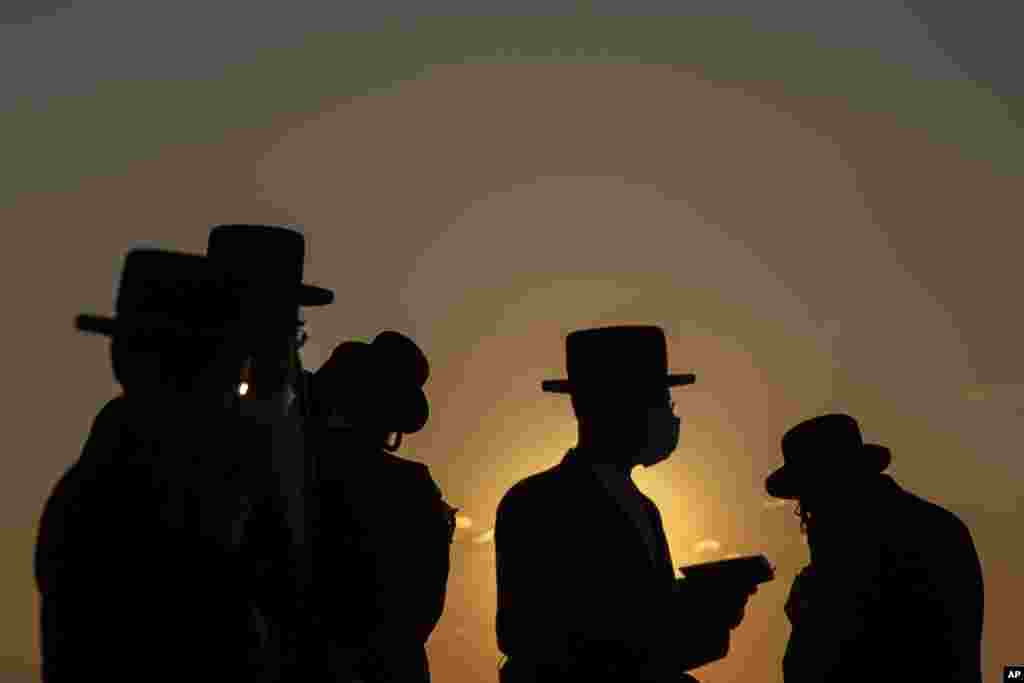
[{"x": 820, "y": 204}]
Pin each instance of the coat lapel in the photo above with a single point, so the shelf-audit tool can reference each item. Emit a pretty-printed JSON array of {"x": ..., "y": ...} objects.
[
  {"x": 664, "y": 555},
  {"x": 655, "y": 557}
]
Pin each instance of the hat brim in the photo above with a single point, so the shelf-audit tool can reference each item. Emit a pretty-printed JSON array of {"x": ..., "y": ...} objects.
[
  {"x": 96, "y": 324},
  {"x": 311, "y": 295},
  {"x": 261, "y": 293},
  {"x": 790, "y": 483},
  {"x": 144, "y": 325},
  {"x": 417, "y": 412},
  {"x": 564, "y": 386}
]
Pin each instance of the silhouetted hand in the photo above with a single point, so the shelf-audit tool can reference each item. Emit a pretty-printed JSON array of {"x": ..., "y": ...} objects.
[
  {"x": 716, "y": 601},
  {"x": 734, "y": 605}
]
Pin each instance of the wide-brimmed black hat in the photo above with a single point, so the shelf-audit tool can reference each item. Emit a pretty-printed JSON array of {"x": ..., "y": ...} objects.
[
  {"x": 168, "y": 292},
  {"x": 391, "y": 368},
  {"x": 824, "y": 449},
  {"x": 268, "y": 258},
  {"x": 617, "y": 358}
]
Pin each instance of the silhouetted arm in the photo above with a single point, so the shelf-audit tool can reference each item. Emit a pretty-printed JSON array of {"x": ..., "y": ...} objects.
[
  {"x": 109, "y": 437},
  {"x": 75, "y": 552},
  {"x": 704, "y": 618},
  {"x": 413, "y": 599},
  {"x": 435, "y": 542},
  {"x": 698, "y": 619},
  {"x": 530, "y": 619},
  {"x": 953, "y": 589}
]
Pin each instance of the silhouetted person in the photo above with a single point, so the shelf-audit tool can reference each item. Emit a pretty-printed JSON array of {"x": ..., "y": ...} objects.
[
  {"x": 152, "y": 545},
  {"x": 383, "y": 528},
  {"x": 266, "y": 263},
  {"x": 894, "y": 587},
  {"x": 586, "y": 586}
]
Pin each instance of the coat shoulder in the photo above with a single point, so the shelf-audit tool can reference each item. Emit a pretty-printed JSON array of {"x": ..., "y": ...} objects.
[
  {"x": 534, "y": 494},
  {"x": 409, "y": 472},
  {"x": 929, "y": 530},
  {"x": 924, "y": 514},
  {"x": 113, "y": 410},
  {"x": 110, "y": 426}
]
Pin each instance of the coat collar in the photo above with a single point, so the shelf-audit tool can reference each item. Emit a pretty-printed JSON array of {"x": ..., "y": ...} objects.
[
  {"x": 575, "y": 458},
  {"x": 579, "y": 466}
]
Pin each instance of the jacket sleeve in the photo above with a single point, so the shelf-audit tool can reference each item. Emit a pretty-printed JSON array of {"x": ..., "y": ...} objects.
[
  {"x": 527, "y": 584},
  {"x": 411, "y": 568},
  {"x": 75, "y": 501},
  {"x": 415, "y": 600},
  {"x": 952, "y": 590},
  {"x": 71, "y": 559},
  {"x": 440, "y": 530}
]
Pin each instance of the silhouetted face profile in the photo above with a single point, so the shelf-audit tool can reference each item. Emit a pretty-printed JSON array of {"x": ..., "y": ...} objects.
[
  {"x": 642, "y": 426},
  {"x": 360, "y": 409},
  {"x": 268, "y": 375},
  {"x": 830, "y": 511},
  {"x": 816, "y": 523},
  {"x": 662, "y": 432},
  {"x": 169, "y": 368},
  {"x": 137, "y": 366}
]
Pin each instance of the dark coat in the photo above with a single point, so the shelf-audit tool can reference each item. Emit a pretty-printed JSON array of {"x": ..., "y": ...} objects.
[
  {"x": 156, "y": 547},
  {"x": 898, "y": 596},
  {"x": 575, "y": 576},
  {"x": 381, "y": 556}
]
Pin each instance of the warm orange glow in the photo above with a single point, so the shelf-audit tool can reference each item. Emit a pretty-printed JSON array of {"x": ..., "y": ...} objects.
[
  {"x": 707, "y": 545},
  {"x": 485, "y": 537}
]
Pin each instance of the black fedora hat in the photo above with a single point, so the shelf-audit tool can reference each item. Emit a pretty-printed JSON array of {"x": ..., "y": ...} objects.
[
  {"x": 168, "y": 292},
  {"x": 824, "y": 448},
  {"x": 392, "y": 368},
  {"x": 614, "y": 358},
  {"x": 268, "y": 257}
]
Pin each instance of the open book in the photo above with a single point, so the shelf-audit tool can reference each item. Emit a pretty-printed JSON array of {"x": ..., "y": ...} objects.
[{"x": 750, "y": 570}]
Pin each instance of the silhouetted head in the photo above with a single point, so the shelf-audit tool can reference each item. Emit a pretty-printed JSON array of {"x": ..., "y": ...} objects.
[
  {"x": 270, "y": 370},
  {"x": 267, "y": 262},
  {"x": 827, "y": 466},
  {"x": 176, "y": 327},
  {"x": 375, "y": 389},
  {"x": 618, "y": 382},
  {"x": 641, "y": 429}
]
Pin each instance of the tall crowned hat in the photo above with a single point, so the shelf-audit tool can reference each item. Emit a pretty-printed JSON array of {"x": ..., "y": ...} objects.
[
  {"x": 269, "y": 258},
  {"x": 168, "y": 293},
  {"x": 614, "y": 359}
]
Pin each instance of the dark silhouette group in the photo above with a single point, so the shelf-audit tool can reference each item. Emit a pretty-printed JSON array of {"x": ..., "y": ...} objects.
[{"x": 236, "y": 517}]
